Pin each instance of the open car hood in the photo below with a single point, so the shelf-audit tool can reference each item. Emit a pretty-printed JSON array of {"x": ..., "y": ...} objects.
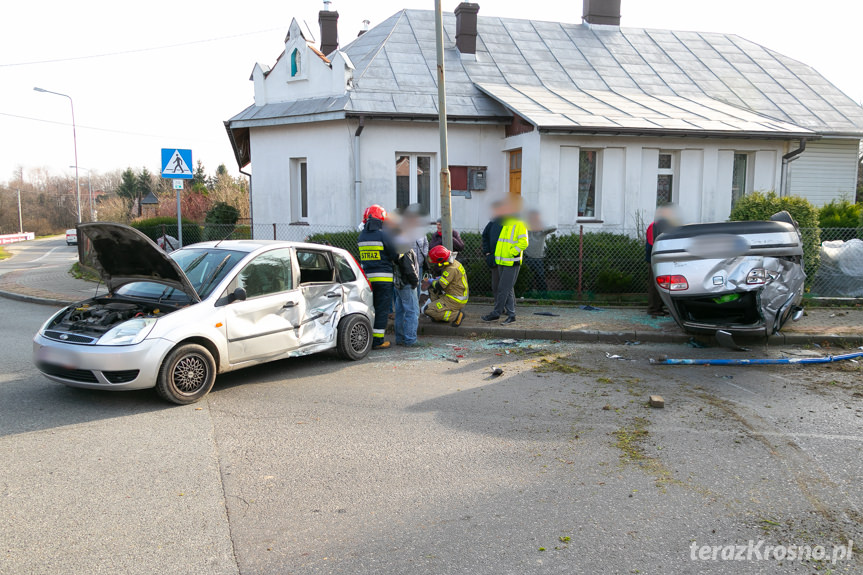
[{"x": 123, "y": 255}]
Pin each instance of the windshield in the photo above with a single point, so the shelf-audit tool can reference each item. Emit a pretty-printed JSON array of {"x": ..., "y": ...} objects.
[{"x": 205, "y": 268}]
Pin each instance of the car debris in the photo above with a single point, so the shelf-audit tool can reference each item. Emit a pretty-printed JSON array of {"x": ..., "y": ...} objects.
[
  {"x": 615, "y": 356},
  {"x": 546, "y": 313},
  {"x": 496, "y": 372},
  {"x": 725, "y": 339}
]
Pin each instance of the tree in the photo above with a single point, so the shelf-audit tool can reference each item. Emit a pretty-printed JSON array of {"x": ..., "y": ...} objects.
[
  {"x": 145, "y": 186},
  {"x": 128, "y": 187},
  {"x": 199, "y": 178}
]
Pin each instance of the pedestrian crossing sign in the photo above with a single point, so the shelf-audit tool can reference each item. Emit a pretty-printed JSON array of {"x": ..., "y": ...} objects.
[{"x": 176, "y": 164}]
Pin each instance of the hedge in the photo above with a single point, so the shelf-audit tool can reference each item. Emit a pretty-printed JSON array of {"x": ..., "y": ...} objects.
[{"x": 760, "y": 206}]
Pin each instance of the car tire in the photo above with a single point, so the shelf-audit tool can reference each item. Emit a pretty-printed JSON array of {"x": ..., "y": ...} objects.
[
  {"x": 354, "y": 337},
  {"x": 187, "y": 374}
]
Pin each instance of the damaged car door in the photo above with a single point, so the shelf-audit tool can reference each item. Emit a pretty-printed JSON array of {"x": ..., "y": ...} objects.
[
  {"x": 323, "y": 297},
  {"x": 262, "y": 323}
]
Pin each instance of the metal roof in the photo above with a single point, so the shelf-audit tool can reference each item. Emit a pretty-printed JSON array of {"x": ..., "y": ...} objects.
[{"x": 574, "y": 76}]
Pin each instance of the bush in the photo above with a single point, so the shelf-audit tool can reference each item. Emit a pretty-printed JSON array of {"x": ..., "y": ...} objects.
[
  {"x": 760, "y": 206},
  {"x": 611, "y": 263},
  {"x": 838, "y": 218},
  {"x": 220, "y": 221},
  {"x": 153, "y": 228},
  {"x": 345, "y": 240}
]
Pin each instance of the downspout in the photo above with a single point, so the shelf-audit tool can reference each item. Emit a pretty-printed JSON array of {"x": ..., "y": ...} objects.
[
  {"x": 787, "y": 159},
  {"x": 358, "y": 180},
  {"x": 251, "y": 213}
]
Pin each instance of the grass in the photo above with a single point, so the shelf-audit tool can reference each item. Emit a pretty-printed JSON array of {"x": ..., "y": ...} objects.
[
  {"x": 4, "y": 254},
  {"x": 82, "y": 273},
  {"x": 630, "y": 442},
  {"x": 561, "y": 365}
]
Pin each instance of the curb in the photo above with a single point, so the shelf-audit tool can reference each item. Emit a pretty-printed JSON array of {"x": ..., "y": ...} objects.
[
  {"x": 594, "y": 336},
  {"x": 34, "y": 299}
]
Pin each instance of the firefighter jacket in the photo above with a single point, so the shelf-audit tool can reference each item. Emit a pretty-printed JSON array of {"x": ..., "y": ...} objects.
[{"x": 377, "y": 252}]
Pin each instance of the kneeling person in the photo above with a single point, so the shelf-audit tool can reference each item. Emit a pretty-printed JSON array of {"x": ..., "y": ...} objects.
[{"x": 448, "y": 292}]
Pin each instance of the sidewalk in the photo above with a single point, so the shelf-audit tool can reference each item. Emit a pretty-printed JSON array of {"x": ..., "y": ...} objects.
[{"x": 834, "y": 325}]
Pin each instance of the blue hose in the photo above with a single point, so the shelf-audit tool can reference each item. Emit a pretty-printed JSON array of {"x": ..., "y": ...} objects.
[{"x": 761, "y": 361}]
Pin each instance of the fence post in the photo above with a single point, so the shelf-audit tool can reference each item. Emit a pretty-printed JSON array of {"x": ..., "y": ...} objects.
[
  {"x": 580, "y": 256},
  {"x": 163, "y": 232},
  {"x": 274, "y": 230}
]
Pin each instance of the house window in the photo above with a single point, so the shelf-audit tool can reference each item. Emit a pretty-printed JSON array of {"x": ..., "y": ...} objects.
[
  {"x": 665, "y": 181},
  {"x": 587, "y": 168},
  {"x": 414, "y": 181},
  {"x": 299, "y": 190},
  {"x": 515, "y": 172},
  {"x": 296, "y": 62},
  {"x": 739, "y": 177}
]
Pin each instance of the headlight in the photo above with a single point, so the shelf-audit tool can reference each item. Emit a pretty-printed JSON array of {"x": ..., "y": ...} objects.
[{"x": 129, "y": 332}]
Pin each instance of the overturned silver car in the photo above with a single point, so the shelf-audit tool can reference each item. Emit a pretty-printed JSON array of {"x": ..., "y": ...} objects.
[{"x": 745, "y": 278}]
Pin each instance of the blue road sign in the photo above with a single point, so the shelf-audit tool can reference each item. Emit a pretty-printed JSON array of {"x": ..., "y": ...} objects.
[{"x": 177, "y": 164}]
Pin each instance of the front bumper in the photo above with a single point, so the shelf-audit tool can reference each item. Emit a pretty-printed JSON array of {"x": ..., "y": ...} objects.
[{"x": 101, "y": 367}]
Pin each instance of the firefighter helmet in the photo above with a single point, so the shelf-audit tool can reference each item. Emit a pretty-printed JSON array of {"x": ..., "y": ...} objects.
[
  {"x": 375, "y": 211},
  {"x": 439, "y": 255}
]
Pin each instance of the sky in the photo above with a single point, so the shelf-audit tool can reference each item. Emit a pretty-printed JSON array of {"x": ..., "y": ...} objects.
[{"x": 178, "y": 69}]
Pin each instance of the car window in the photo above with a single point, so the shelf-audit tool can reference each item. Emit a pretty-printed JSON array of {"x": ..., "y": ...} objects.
[
  {"x": 269, "y": 273},
  {"x": 346, "y": 272},
  {"x": 315, "y": 267},
  {"x": 205, "y": 268}
]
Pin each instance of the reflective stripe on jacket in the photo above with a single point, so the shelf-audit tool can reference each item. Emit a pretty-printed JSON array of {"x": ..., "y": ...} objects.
[
  {"x": 453, "y": 281},
  {"x": 377, "y": 252},
  {"x": 511, "y": 243}
]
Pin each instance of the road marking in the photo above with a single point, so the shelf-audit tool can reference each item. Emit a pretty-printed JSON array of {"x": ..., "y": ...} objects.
[{"x": 45, "y": 255}]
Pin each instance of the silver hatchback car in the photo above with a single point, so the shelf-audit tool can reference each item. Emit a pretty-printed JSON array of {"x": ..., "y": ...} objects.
[{"x": 175, "y": 321}]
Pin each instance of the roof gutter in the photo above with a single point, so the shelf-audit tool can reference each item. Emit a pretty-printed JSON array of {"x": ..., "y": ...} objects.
[
  {"x": 610, "y": 131},
  {"x": 786, "y": 160}
]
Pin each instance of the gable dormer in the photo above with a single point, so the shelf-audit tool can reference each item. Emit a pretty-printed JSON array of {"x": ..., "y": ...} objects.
[{"x": 302, "y": 71}]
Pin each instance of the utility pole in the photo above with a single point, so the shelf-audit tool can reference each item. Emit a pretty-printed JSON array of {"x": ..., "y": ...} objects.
[
  {"x": 20, "y": 216},
  {"x": 445, "y": 203}
]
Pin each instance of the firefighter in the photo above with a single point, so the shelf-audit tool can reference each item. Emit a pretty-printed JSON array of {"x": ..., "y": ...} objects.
[
  {"x": 377, "y": 256},
  {"x": 449, "y": 290}
]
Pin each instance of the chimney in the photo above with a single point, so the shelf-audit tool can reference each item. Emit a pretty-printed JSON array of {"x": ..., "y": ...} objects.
[
  {"x": 329, "y": 22},
  {"x": 365, "y": 29},
  {"x": 603, "y": 12},
  {"x": 465, "y": 27}
]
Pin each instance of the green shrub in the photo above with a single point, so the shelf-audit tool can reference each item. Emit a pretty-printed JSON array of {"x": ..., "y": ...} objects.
[
  {"x": 220, "y": 221},
  {"x": 840, "y": 220},
  {"x": 153, "y": 228},
  {"x": 345, "y": 240},
  {"x": 760, "y": 206},
  {"x": 611, "y": 263},
  {"x": 613, "y": 281}
]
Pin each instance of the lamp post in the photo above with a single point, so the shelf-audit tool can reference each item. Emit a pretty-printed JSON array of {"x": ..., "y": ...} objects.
[
  {"x": 89, "y": 190},
  {"x": 75, "y": 143}
]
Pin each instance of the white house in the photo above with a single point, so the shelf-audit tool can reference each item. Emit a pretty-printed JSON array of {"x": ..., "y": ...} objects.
[{"x": 593, "y": 123}]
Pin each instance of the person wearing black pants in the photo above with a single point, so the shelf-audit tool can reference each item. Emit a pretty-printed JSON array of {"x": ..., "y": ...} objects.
[{"x": 378, "y": 254}]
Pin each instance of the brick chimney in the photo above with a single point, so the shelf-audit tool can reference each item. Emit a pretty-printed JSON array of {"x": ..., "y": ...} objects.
[
  {"x": 329, "y": 22},
  {"x": 604, "y": 12},
  {"x": 465, "y": 27}
]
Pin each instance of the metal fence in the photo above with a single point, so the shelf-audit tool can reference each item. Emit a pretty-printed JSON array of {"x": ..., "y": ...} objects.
[{"x": 578, "y": 264}]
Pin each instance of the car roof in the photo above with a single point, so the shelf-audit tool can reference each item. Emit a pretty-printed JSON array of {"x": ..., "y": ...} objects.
[{"x": 250, "y": 246}]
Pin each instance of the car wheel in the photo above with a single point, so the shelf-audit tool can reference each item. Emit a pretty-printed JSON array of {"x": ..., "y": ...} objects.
[
  {"x": 354, "y": 339},
  {"x": 187, "y": 374}
]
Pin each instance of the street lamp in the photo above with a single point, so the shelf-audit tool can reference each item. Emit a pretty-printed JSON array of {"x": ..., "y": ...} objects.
[
  {"x": 89, "y": 189},
  {"x": 74, "y": 141}
]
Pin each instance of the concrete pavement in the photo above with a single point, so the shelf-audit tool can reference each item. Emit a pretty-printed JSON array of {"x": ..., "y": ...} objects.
[{"x": 38, "y": 273}]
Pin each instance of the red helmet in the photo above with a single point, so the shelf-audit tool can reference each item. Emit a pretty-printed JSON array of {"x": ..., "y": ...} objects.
[
  {"x": 439, "y": 255},
  {"x": 375, "y": 211}
]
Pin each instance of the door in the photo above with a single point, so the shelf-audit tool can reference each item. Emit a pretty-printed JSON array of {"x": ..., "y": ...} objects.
[
  {"x": 515, "y": 172},
  {"x": 264, "y": 325},
  {"x": 322, "y": 297}
]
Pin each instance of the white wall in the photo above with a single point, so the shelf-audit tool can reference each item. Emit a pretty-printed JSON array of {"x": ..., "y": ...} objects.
[{"x": 827, "y": 170}]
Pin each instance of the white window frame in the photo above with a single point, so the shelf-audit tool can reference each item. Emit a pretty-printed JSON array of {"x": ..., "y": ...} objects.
[
  {"x": 296, "y": 192},
  {"x": 303, "y": 53},
  {"x": 597, "y": 199},
  {"x": 673, "y": 171},
  {"x": 749, "y": 179},
  {"x": 434, "y": 199}
]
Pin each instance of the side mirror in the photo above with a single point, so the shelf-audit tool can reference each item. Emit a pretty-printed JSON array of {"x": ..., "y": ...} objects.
[{"x": 238, "y": 294}]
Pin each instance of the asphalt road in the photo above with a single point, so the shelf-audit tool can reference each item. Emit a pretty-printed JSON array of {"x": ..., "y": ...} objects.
[
  {"x": 43, "y": 253},
  {"x": 411, "y": 463}
]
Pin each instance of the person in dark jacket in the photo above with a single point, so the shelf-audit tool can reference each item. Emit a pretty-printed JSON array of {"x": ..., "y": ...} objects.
[
  {"x": 490, "y": 235},
  {"x": 437, "y": 239},
  {"x": 377, "y": 256}
]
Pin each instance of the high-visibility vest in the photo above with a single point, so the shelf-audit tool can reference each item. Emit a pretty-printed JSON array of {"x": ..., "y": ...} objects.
[
  {"x": 453, "y": 280},
  {"x": 511, "y": 243}
]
